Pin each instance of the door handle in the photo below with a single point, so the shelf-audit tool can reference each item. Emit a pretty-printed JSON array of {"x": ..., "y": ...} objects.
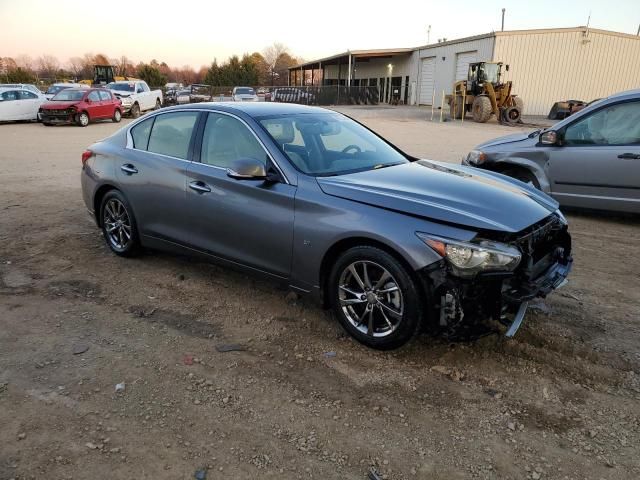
[
  {"x": 631, "y": 156},
  {"x": 129, "y": 169},
  {"x": 199, "y": 187}
]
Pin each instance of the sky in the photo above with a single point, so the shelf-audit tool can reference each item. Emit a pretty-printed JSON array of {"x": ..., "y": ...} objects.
[{"x": 197, "y": 31}]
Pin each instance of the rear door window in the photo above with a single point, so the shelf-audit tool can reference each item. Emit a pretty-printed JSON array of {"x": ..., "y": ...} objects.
[
  {"x": 105, "y": 96},
  {"x": 171, "y": 134},
  {"x": 94, "y": 96},
  {"x": 140, "y": 134}
]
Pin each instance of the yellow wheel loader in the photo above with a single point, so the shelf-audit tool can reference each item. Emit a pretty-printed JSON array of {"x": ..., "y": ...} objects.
[{"x": 484, "y": 94}]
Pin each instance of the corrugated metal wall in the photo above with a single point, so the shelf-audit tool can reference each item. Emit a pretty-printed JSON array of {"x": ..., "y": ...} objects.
[
  {"x": 445, "y": 62},
  {"x": 548, "y": 66}
]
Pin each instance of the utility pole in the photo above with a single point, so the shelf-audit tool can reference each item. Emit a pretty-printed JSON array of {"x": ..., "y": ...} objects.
[
  {"x": 429, "y": 34},
  {"x": 638, "y": 32},
  {"x": 502, "y": 29}
]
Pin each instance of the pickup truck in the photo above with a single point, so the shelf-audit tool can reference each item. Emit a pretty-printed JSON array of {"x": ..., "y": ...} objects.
[{"x": 136, "y": 96}]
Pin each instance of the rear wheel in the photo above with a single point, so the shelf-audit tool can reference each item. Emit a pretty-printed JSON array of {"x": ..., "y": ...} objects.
[
  {"x": 119, "y": 225},
  {"x": 117, "y": 116},
  {"x": 158, "y": 104},
  {"x": 375, "y": 298},
  {"x": 481, "y": 109},
  {"x": 82, "y": 119}
]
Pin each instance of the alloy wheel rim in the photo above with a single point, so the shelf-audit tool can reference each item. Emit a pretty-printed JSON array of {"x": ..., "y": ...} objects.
[
  {"x": 84, "y": 119},
  {"x": 117, "y": 114},
  {"x": 117, "y": 224},
  {"x": 370, "y": 298}
]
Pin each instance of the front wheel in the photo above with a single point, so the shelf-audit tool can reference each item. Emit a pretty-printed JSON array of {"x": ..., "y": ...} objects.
[
  {"x": 119, "y": 225},
  {"x": 375, "y": 298},
  {"x": 135, "y": 110}
]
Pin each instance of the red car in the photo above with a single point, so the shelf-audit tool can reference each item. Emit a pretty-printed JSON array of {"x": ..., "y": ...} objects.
[{"x": 81, "y": 106}]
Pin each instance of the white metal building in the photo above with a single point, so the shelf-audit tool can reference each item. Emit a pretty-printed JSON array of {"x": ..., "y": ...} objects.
[{"x": 545, "y": 66}]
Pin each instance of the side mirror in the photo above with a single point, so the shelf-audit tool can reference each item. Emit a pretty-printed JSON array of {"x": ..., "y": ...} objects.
[
  {"x": 549, "y": 138},
  {"x": 247, "y": 169}
]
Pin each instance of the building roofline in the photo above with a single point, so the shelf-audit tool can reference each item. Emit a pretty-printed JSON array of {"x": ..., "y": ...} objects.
[
  {"x": 534, "y": 31},
  {"x": 356, "y": 53}
]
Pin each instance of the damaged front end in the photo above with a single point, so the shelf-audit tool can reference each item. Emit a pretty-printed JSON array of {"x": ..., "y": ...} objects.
[{"x": 509, "y": 271}]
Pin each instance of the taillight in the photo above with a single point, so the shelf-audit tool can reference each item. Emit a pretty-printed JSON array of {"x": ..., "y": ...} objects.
[{"x": 86, "y": 155}]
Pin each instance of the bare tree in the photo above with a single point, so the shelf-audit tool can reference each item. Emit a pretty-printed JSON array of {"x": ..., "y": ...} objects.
[
  {"x": 272, "y": 56},
  {"x": 48, "y": 66},
  {"x": 25, "y": 62},
  {"x": 75, "y": 66}
]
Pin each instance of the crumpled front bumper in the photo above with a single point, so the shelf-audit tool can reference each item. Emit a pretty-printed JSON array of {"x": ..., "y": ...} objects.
[{"x": 501, "y": 296}]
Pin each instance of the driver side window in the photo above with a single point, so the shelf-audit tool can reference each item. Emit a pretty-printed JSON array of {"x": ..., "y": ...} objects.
[{"x": 615, "y": 125}]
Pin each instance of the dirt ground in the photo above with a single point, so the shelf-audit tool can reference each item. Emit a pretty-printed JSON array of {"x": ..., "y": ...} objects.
[{"x": 301, "y": 400}]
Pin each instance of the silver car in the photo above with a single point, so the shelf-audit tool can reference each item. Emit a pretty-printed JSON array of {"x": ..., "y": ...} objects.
[
  {"x": 312, "y": 199},
  {"x": 589, "y": 160}
]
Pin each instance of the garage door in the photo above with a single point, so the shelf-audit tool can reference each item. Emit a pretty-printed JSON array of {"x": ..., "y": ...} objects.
[
  {"x": 462, "y": 64},
  {"x": 427, "y": 76}
]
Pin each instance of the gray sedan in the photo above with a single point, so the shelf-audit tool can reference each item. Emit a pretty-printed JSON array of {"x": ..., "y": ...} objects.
[
  {"x": 589, "y": 160},
  {"x": 312, "y": 199}
]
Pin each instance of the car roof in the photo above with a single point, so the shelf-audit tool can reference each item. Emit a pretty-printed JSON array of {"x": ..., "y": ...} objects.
[{"x": 256, "y": 109}]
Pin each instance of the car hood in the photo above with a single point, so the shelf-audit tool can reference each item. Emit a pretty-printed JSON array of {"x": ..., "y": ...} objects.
[
  {"x": 122, "y": 93},
  {"x": 59, "y": 104},
  {"x": 514, "y": 138},
  {"x": 447, "y": 193}
]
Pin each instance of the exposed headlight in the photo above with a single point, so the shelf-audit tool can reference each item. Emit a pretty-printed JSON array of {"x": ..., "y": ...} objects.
[
  {"x": 468, "y": 258},
  {"x": 476, "y": 157}
]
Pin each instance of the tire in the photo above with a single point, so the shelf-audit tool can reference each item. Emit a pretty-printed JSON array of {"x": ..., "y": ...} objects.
[
  {"x": 158, "y": 104},
  {"x": 117, "y": 116},
  {"x": 115, "y": 216},
  {"x": 135, "y": 110},
  {"x": 459, "y": 108},
  {"x": 524, "y": 175},
  {"x": 511, "y": 115},
  {"x": 82, "y": 119},
  {"x": 481, "y": 109},
  {"x": 374, "y": 315}
]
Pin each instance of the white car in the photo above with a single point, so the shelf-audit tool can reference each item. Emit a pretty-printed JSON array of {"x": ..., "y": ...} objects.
[
  {"x": 136, "y": 96},
  {"x": 20, "y": 104},
  {"x": 57, "y": 87},
  {"x": 183, "y": 96},
  {"x": 244, "y": 94},
  {"x": 22, "y": 86}
]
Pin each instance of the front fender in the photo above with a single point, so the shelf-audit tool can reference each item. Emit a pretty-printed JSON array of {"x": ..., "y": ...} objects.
[{"x": 533, "y": 166}]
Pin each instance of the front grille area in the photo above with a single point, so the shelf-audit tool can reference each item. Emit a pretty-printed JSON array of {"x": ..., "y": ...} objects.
[
  {"x": 56, "y": 112},
  {"x": 542, "y": 245}
]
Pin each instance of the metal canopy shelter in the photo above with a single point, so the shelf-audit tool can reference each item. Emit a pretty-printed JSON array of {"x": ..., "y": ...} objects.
[{"x": 345, "y": 62}]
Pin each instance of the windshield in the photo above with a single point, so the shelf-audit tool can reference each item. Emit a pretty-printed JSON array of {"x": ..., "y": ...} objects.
[
  {"x": 490, "y": 72},
  {"x": 325, "y": 144},
  {"x": 122, "y": 86},
  {"x": 53, "y": 89},
  {"x": 245, "y": 91},
  {"x": 68, "y": 94}
]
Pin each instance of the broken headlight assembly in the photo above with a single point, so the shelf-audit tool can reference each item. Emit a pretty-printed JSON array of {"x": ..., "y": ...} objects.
[{"x": 469, "y": 258}]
